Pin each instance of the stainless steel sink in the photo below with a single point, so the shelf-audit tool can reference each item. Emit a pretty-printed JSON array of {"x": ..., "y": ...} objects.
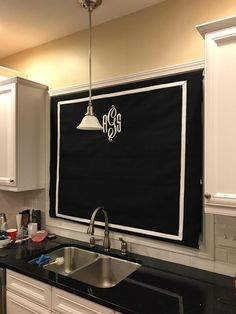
[
  {"x": 105, "y": 272},
  {"x": 95, "y": 269},
  {"x": 74, "y": 259}
]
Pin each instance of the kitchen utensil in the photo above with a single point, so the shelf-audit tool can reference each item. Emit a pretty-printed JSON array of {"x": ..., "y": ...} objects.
[
  {"x": 59, "y": 261},
  {"x": 22, "y": 240}
]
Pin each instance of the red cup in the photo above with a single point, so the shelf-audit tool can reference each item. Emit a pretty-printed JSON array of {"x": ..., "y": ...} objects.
[{"x": 12, "y": 233}]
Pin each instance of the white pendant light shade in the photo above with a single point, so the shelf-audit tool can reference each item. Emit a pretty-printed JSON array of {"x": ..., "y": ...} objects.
[{"x": 90, "y": 121}]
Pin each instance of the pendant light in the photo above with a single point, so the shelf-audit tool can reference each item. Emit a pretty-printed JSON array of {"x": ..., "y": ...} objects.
[{"x": 90, "y": 121}]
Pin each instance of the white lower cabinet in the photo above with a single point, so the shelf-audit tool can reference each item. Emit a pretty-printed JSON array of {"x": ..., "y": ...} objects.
[{"x": 26, "y": 295}]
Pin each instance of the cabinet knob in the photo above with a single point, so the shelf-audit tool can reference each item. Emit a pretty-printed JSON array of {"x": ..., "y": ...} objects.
[{"x": 207, "y": 196}]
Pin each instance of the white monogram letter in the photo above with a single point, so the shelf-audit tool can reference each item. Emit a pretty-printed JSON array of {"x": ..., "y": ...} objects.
[
  {"x": 112, "y": 123},
  {"x": 104, "y": 123},
  {"x": 119, "y": 123}
]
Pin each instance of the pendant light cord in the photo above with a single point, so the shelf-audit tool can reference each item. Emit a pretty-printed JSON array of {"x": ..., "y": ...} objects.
[{"x": 90, "y": 57}]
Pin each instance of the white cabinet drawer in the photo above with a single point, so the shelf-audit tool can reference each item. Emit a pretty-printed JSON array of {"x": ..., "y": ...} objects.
[
  {"x": 29, "y": 288},
  {"x": 19, "y": 305},
  {"x": 67, "y": 303}
]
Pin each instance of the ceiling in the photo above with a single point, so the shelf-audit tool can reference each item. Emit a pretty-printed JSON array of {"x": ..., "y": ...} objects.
[{"x": 28, "y": 23}]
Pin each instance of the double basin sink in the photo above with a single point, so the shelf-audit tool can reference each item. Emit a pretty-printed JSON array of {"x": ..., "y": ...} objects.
[{"x": 92, "y": 268}]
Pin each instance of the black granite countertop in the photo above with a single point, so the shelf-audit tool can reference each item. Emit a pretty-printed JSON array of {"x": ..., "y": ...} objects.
[{"x": 156, "y": 287}]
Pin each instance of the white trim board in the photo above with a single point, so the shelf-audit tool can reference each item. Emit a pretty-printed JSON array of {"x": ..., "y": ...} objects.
[{"x": 134, "y": 77}]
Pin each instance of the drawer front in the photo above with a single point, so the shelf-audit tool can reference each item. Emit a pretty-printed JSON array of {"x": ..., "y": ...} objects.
[
  {"x": 31, "y": 289},
  {"x": 19, "y": 305},
  {"x": 67, "y": 303}
]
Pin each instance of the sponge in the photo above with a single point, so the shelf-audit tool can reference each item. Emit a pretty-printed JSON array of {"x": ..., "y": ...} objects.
[{"x": 43, "y": 259}]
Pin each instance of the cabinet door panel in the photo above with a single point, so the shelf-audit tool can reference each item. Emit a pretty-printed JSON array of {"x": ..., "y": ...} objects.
[
  {"x": 19, "y": 305},
  {"x": 7, "y": 135},
  {"x": 220, "y": 122}
]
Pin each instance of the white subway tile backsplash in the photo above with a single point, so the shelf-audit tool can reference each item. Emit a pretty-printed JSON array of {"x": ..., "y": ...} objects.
[
  {"x": 201, "y": 263},
  {"x": 232, "y": 257},
  {"x": 227, "y": 220},
  {"x": 10, "y": 203},
  {"x": 226, "y": 269},
  {"x": 225, "y": 240},
  {"x": 179, "y": 258},
  {"x": 221, "y": 255}
]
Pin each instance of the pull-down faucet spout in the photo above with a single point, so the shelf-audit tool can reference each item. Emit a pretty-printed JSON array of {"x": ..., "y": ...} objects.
[{"x": 106, "y": 241}]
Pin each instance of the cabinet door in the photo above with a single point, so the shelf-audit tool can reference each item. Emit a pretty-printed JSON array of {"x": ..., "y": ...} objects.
[
  {"x": 19, "y": 305},
  {"x": 67, "y": 303},
  {"x": 7, "y": 135},
  {"x": 220, "y": 122}
]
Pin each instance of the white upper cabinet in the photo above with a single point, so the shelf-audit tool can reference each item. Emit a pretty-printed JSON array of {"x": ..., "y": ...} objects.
[
  {"x": 220, "y": 116},
  {"x": 22, "y": 134}
]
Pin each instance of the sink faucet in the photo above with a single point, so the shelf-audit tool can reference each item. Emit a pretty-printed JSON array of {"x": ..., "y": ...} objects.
[{"x": 106, "y": 241}]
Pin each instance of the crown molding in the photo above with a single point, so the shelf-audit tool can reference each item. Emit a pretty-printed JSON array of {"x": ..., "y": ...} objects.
[
  {"x": 216, "y": 25},
  {"x": 139, "y": 76}
]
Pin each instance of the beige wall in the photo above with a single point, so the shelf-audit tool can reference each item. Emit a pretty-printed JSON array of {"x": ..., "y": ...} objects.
[{"x": 156, "y": 37}]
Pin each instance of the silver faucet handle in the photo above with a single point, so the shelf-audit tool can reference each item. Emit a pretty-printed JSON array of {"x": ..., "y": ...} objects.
[
  {"x": 93, "y": 240},
  {"x": 124, "y": 249}
]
